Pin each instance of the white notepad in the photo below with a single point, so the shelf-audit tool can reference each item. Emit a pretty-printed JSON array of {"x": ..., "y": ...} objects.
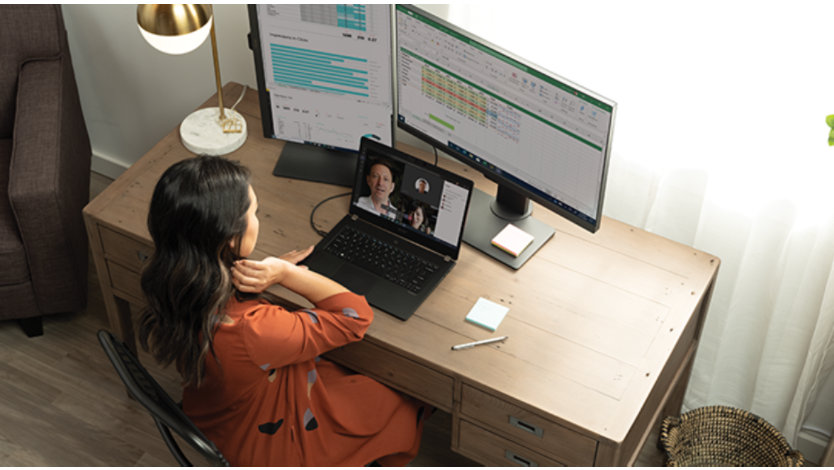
[
  {"x": 487, "y": 314},
  {"x": 512, "y": 239}
]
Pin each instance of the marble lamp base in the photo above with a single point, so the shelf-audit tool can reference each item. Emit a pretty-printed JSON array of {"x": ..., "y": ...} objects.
[{"x": 203, "y": 133}]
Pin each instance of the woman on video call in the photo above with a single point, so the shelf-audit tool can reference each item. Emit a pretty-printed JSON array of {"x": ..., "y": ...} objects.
[
  {"x": 418, "y": 219},
  {"x": 255, "y": 383}
]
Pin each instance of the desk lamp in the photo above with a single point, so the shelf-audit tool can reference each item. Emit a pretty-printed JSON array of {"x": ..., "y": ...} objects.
[{"x": 179, "y": 29}]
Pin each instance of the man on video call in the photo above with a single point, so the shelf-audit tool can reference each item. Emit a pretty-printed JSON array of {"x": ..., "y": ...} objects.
[{"x": 380, "y": 178}]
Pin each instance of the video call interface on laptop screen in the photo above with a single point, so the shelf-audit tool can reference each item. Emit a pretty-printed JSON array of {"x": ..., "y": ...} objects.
[{"x": 422, "y": 201}]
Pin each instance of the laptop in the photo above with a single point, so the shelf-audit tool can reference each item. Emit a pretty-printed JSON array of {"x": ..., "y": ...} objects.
[{"x": 403, "y": 231}]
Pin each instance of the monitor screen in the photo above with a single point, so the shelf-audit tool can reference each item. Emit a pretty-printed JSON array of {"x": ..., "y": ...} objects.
[
  {"x": 536, "y": 134},
  {"x": 324, "y": 78}
]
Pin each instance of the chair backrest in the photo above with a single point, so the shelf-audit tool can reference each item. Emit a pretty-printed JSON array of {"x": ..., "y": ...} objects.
[{"x": 167, "y": 414}]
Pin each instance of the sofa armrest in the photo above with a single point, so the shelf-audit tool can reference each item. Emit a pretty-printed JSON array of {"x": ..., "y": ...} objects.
[{"x": 49, "y": 181}]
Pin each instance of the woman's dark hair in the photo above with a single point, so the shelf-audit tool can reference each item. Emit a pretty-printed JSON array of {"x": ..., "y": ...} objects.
[{"x": 198, "y": 207}]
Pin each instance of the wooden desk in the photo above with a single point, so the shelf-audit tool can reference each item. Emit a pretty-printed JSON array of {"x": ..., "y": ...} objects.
[{"x": 602, "y": 327}]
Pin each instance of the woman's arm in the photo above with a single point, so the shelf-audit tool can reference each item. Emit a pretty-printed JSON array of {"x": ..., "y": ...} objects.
[
  {"x": 278, "y": 337},
  {"x": 257, "y": 276}
]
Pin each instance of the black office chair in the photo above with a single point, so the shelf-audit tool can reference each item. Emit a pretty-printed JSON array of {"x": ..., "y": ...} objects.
[{"x": 167, "y": 414}]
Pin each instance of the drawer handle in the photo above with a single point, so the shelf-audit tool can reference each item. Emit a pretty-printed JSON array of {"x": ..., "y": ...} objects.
[
  {"x": 537, "y": 431},
  {"x": 142, "y": 255},
  {"x": 517, "y": 459}
]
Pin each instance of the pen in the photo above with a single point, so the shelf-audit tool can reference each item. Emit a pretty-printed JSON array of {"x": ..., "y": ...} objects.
[{"x": 478, "y": 343}]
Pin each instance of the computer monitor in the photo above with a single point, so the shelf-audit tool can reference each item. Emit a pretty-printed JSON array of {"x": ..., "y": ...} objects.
[
  {"x": 537, "y": 135},
  {"x": 324, "y": 82}
]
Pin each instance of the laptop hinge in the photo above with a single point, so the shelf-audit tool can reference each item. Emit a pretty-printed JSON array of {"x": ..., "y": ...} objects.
[
  {"x": 447, "y": 258},
  {"x": 354, "y": 217}
]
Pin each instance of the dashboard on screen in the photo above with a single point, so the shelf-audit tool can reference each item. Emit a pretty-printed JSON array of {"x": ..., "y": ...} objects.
[{"x": 326, "y": 73}]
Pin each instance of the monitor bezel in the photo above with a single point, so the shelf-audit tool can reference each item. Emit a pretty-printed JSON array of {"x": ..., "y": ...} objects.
[{"x": 591, "y": 226}]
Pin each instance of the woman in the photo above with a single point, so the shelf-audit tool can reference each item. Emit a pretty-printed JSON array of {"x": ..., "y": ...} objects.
[
  {"x": 417, "y": 217},
  {"x": 254, "y": 381}
]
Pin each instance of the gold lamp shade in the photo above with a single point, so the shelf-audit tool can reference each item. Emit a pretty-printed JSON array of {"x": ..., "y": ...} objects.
[
  {"x": 174, "y": 29},
  {"x": 173, "y": 20}
]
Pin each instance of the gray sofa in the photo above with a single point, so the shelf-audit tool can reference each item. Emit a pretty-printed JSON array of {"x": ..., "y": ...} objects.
[{"x": 44, "y": 169}]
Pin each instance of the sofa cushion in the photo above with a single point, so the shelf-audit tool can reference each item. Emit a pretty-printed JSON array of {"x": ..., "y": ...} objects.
[{"x": 12, "y": 255}]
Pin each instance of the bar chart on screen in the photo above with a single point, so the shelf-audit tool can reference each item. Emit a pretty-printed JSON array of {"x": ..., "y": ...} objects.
[
  {"x": 327, "y": 69},
  {"x": 319, "y": 70}
]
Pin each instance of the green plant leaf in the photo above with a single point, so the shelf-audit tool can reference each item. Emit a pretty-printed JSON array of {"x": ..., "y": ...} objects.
[
  {"x": 831, "y": 137},
  {"x": 830, "y": 120}
]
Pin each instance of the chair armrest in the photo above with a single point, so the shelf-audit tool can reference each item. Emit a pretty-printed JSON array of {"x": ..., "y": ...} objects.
[{"x": 49, "y": 179}]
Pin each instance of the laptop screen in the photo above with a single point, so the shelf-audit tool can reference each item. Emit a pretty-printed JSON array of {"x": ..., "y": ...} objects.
[{"x": 424, "y": 203}]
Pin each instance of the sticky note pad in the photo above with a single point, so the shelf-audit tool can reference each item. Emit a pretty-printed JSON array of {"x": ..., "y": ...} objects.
[
  {"x": 512, "y": 239},
  {"x": 487, "y": 314}
]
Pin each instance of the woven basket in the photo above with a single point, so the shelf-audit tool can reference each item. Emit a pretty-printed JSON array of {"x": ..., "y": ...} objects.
[{"x": 721, "y": 436}]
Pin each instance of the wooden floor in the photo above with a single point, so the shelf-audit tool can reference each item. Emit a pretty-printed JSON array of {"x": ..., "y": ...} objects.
[{"x": 61, "y": 403}]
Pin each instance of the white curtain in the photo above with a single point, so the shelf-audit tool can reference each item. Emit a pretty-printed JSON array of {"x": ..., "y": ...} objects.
[{"x": 720, "y": 143}]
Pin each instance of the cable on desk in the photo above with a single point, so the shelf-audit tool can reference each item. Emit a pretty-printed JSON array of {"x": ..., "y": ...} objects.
[
  {"x": 242, "y": 93},
  {"x": 313, "y": 213}
]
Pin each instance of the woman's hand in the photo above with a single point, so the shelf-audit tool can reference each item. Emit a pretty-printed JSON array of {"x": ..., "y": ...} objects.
[
  {"x": 256, "y": 276},
  {"x": 296, "y": 256}
]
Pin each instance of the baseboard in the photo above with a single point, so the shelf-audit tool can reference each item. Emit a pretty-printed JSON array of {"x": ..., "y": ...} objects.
[
  {"x": 108, "y": 165},
  {"x": 812, "y": 444}
]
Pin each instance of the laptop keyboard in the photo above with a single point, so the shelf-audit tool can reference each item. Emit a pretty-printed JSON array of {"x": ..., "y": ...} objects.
[{"x": 393, "y": 263}]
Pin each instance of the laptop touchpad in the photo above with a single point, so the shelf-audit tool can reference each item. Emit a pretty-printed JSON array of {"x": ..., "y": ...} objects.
[{"x": 355, "y": 279}]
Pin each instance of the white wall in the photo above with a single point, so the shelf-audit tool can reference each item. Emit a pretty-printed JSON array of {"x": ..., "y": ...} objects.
[{"x": 131, "y": 94}]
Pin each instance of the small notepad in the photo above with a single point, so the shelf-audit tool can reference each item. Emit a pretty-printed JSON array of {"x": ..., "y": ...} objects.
[
  {"x": 512, "y": 239},
  {"x": 487, "y": 314}
]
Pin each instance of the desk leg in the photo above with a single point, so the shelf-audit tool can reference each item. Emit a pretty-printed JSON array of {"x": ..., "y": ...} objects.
[
  {"x": 665, "y": 400},
  {"x": 124, "y": 325},
  {"x": 118, "y": 310},
  {"x": 120, "y": 319},
  {"x": 118, "y": 314},
  {"x": 675, "y": 400}
]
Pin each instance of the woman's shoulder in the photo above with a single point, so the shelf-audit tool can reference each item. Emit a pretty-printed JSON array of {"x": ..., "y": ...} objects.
[{"x": 259, "y": 316}]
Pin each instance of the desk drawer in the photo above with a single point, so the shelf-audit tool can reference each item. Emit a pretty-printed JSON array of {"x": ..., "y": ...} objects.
[
  {"x": 495, "y": 451},
  {"x": 124, "y": 250},
  {"x": 398, "y": 372},
  {"x": 523, "y": 426},
  {"x": 125, "y": 282}
]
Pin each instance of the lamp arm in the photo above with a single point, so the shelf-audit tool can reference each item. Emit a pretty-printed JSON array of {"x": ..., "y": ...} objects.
[{"x": 217, "y": 70}]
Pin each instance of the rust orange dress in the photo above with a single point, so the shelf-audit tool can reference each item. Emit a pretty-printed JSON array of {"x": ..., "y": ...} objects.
[{"x": 270, "y": 399}]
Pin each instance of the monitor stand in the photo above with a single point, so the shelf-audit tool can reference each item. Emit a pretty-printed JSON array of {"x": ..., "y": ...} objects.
[
  {"x": 489, "y": 215},
  {"x": 313, "y": 163}
]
